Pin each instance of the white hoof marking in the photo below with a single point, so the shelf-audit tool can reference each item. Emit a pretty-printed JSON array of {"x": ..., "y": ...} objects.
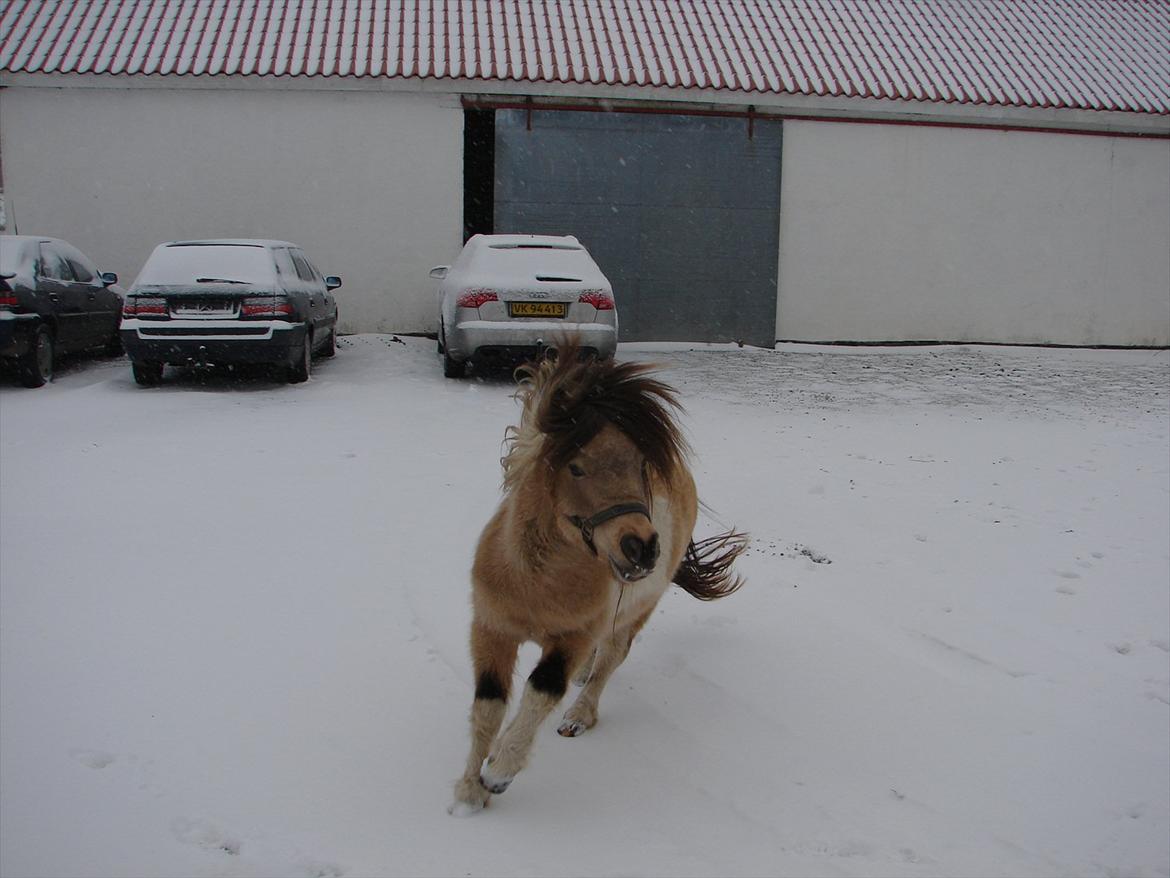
[{"x": 464, "y": 809}]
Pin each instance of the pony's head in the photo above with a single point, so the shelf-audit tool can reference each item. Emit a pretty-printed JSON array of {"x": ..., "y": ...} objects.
[{"x": 593, "y": 434}]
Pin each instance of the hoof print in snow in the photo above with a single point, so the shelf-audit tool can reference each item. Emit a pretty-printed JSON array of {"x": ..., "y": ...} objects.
[
  {"x": 204, "y": 835},
  {"x": 812, "y": 554},
  {"x": 95, "y": 759},
  {"x": 314, "y": 869}
]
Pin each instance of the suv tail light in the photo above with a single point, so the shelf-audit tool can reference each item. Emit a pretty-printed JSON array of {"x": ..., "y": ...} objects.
[
  {"x": 475, "y": 298},
  {"x": 144, "y": 306},
  {"x": 276, "y": 307},
  {"x": 599, "y": 299}
]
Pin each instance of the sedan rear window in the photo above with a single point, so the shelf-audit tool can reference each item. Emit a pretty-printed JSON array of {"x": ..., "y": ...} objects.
[{"x": 207, "y": 264}]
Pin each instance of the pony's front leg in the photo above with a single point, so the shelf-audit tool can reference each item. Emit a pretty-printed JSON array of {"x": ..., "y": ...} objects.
[
  {"x": 611, "y": 652},
  {"x": 544, "y": 689},
  {"x": 493, "y": 656}
]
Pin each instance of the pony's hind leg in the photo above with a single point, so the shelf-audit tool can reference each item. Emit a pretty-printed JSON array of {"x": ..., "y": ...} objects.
[
  {"x": 493, "y": 656},
  {"x": 545, "y": 687},
  {"x": 611, "y": 652}
]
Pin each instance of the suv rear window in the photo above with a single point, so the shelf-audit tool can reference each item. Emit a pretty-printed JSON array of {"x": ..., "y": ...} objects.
[{"x": 199, "y": 264}]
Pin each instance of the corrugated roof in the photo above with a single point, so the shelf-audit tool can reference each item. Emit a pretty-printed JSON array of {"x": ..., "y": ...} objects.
[{"x": 1075, "y": 54}]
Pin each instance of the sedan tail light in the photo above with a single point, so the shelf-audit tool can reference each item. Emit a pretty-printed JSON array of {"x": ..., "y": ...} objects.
[
  {"x": 7, "y": 295},
  {"x": 276, "y": 307},
  {"x": 475, "y": 298},
  {"x": 599, "y": 299},
  {"x": 144, "y": 306}
]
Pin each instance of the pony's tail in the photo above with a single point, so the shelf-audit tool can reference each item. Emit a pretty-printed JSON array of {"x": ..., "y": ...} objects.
[{"x": 705, "y": 571}]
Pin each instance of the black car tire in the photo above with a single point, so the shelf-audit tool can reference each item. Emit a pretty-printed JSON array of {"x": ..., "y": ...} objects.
[
  {"x": 36, "y": 366},
  {"x": 452, "y": 368},
  {"x": 330, "y": 347},
  {"x": 298, "y": 372},
  {"x": 147, "y": 374}
]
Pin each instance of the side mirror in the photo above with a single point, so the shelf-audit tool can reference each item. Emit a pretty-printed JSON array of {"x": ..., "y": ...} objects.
[
  {"x": 439, "y": 271},
  {"x": 332, "y": 282},
  {"x": 109, "y": 278}
]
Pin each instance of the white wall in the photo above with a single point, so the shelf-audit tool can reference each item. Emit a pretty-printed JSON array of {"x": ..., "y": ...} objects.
[
  {"x": 369, "y": 183},
  {"x": 900, "y": 233}
]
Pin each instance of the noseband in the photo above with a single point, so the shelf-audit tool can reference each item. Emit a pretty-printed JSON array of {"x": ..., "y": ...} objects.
[{"x": 587, "y": 525}]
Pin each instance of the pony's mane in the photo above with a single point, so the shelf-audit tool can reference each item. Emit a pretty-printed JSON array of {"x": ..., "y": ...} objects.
[{"x": 568, "y": 400}]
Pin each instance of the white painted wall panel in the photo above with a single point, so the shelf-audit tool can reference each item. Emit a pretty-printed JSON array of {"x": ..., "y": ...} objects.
[
  {"x": 913, "y": 233},
  {"x": 369, "y": 183}
]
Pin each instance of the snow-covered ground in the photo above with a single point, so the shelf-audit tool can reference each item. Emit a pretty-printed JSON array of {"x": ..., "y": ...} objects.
[{"x": 233, "y": 625}]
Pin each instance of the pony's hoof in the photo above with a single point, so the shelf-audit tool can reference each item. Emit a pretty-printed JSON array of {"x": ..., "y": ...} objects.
[
  {"x": 490, "y": 782},
  {"x": 571, "y": 728},
  {"x": 577, "y": 720},
  {"x": 470, "y": 798},
  {"x": 493, "y": 784},
  {"x": 465, "y": 809}
]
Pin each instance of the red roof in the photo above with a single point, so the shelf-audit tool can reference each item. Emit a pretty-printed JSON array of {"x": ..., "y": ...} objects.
[{"x": 1074, "y": 54}]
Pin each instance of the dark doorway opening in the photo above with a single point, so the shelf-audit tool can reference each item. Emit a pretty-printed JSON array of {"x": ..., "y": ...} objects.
[{"x": 479, "y": 172}]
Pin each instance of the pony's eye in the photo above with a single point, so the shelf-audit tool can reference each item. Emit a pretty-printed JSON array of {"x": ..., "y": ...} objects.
[{"x": 576, "y": 471}]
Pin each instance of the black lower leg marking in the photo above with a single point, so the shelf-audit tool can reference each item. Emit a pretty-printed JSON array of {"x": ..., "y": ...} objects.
[
  {"x": 550, "y": 676},
  {"x": 489, "y": 686}
]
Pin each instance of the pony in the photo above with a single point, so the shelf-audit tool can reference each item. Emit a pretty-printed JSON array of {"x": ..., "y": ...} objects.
[{"x": 595, "y": 523}]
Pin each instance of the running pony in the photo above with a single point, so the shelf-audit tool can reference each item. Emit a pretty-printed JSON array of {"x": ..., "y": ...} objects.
[{"x": 595, "y": 524}]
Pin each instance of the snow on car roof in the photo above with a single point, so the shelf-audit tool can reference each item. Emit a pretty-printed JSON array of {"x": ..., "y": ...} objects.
[
  {"x": 512, "y": 242},
  {"x": 230, "y": 242}
]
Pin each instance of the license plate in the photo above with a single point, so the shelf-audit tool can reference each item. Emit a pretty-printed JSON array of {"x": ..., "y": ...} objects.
[
  {"x": 211, "y": 308},
  {"x": 537, "y": 309}
]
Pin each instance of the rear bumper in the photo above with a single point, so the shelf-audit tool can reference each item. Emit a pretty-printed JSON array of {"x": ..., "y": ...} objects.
[
  {"x": 486, "y": 339},
  {"x": 16, "y": 333},
  {"x": 188, "y": 342}
]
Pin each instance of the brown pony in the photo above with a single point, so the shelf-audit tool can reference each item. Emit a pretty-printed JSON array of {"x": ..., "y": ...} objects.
[{"x": 596, "y": 522}]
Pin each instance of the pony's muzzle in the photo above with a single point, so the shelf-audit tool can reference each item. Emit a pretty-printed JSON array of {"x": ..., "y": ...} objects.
[{"x": 641, "y": 554}]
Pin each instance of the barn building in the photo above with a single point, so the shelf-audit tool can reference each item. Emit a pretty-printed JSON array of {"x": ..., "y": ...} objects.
[{"x": 743, "y": 170}]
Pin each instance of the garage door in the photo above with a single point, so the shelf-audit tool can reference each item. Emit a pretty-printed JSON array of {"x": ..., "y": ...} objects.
[{"x": 681, "y": 212}]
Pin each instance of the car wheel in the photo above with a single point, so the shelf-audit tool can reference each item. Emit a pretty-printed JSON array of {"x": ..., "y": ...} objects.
[
  {"x": 330, "y": 347},
  {"x": 298, "y": 373},
  {"x": 452, "y": 368},
  {"x": 147, "y": 374},
  {"x": 36, "y": 366}
]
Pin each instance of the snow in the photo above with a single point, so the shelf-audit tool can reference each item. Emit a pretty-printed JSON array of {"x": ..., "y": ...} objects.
[{"x": 233, "y": 622}]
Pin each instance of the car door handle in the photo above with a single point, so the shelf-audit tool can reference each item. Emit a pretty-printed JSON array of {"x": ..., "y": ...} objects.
[{"x": 53, "y": 297}]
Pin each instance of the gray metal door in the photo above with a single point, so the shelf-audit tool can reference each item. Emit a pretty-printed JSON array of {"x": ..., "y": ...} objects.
[{"x": 681, "y": 213}]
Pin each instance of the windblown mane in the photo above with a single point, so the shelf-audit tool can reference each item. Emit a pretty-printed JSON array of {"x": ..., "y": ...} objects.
[{"x": 568, "y": 400}]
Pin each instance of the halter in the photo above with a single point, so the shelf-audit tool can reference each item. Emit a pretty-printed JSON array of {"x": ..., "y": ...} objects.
[{"x": 587, "y": 525}]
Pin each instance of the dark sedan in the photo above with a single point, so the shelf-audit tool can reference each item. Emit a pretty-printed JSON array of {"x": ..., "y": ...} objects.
[
  {"x": 53, "y": 300},
  {"x": 228, "y": 302}
]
